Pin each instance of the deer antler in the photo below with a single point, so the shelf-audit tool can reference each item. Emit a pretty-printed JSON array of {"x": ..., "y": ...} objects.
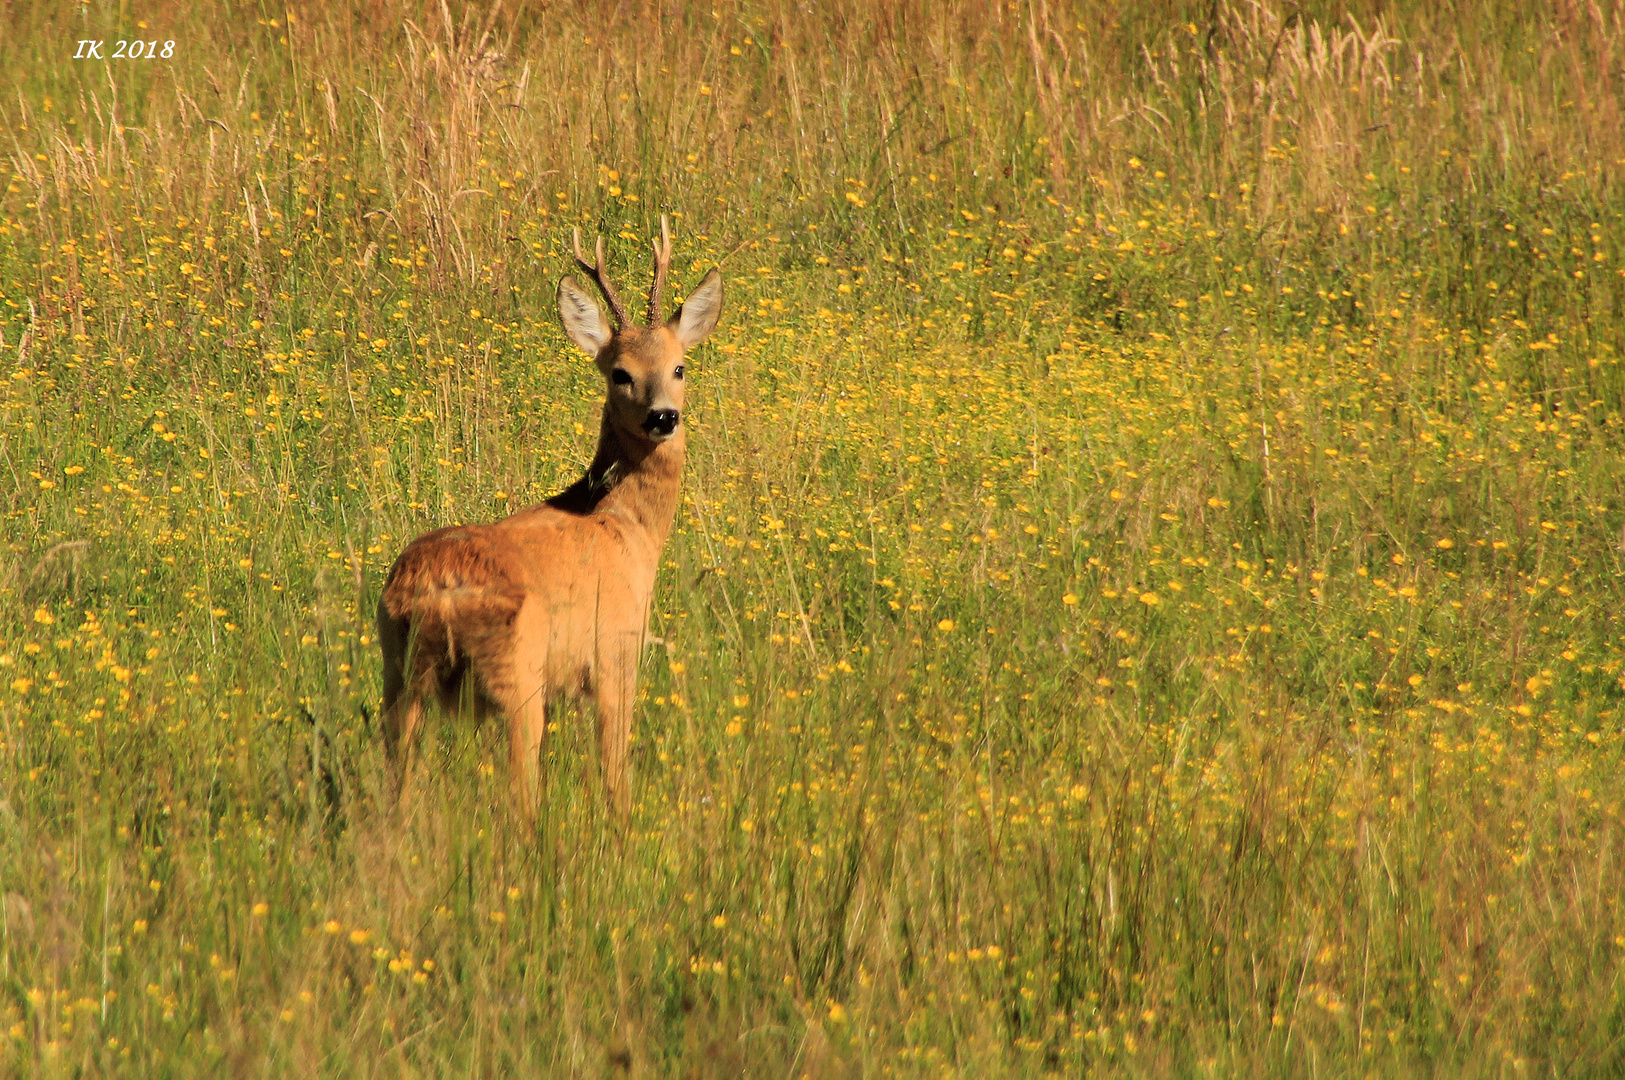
[
  {"x": 657, "y": 293},
  {"x": 600, "y": 275}
]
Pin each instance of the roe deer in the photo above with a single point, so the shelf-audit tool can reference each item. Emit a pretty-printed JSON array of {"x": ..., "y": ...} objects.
[{"x": 554, "y": 600}]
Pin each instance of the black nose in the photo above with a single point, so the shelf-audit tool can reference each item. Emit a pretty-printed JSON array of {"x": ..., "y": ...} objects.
[{"x": 660, "y": 421}]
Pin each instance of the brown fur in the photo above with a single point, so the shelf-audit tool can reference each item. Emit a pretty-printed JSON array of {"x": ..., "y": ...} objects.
[{"x": 554, "y": 600}]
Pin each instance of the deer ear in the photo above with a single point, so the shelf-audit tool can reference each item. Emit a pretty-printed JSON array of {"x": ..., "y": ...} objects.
[
  {"x": 697, "y": 317},
  {"x": 583, "y": 319}
]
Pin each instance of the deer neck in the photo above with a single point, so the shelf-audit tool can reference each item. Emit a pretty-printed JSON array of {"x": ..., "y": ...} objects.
[{"x": 639, "y": 481}]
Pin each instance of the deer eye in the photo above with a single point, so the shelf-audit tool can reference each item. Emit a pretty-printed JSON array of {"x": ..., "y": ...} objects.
[
  {"x": 678, "y": 373},
  {"x": 620, "y": 377}
]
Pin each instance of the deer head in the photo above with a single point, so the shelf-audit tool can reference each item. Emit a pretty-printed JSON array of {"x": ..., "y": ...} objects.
[{"x": 644, "y": 364}]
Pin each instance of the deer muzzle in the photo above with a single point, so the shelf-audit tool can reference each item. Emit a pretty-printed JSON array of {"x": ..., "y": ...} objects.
[{"x": 660, "y": 422}]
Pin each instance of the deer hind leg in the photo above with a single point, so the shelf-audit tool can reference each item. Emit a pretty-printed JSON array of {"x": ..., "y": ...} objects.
[
  {"x": 525, "y": 705},
  {"x": 401, "y": 714},
  {"x": 402, "y": 717}
]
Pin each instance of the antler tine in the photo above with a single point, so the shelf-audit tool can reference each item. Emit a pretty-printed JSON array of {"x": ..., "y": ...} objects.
[
  {"x": 600, "y": 275},
  {"x": 657, "y": 293}
]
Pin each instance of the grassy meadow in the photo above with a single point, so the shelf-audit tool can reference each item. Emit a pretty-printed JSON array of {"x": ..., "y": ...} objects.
[{"x": 1146, "y": 599}]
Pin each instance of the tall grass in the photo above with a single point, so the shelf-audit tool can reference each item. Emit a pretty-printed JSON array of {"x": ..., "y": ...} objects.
[{"x": 1144, "y": 601}]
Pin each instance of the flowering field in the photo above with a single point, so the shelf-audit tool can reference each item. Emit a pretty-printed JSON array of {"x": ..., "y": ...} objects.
[{"x": 1146, "y": 598}]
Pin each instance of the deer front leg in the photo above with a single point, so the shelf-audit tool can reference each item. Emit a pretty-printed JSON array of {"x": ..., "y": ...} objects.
[{"x": 616, "y": 690}]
